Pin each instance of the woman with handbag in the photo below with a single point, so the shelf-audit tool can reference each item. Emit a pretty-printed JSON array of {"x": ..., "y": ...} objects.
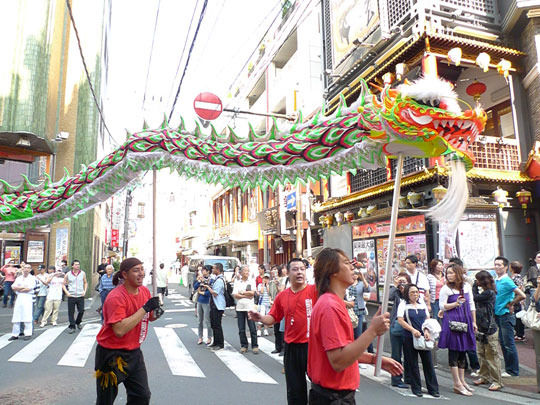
[
  {"x": 487, "y": 339},
  {"x": 458, "y": 325},
  {"x": 536, "y": 332},
  {"x": 411, "y": 315}
]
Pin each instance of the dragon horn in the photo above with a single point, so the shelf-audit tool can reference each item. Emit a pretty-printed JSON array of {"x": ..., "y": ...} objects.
[
  {"x": 365, "y": 92},
  {"x": 274, "y": 130},
  {"x": 47, "y": 182},
  {"x": 128, "y": 134},
  {"x": 197, "y": 131},
  {"x": 315, "y": 120},
  {"x": 182, "y": 126},
  {"x": 342, "y": 104},
  {"x": 299, "y": 120},
  {"x": 233, "y": 138},
  {"x": 213, "y": 133},
  {"x": 251, "y": 134},
  {"x": 165, "y": 123}
]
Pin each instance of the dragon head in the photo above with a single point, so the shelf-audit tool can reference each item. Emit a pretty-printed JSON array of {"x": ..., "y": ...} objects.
[{"x": 423, "y": 119}]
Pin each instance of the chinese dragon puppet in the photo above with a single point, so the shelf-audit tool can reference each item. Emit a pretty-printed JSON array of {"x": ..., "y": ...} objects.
[{"x": 419, "y": 119}]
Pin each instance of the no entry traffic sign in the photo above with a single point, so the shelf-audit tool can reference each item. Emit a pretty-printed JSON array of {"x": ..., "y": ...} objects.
[{"x": 207, "y": 106}]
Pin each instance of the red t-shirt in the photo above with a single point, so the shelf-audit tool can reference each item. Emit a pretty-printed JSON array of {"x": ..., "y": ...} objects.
[
  {"x": 258, "y": 280},
  {"x": 296, "y": 308},
  {"x": 120, "y": 304},
  {"x": 331, "y": 328}
]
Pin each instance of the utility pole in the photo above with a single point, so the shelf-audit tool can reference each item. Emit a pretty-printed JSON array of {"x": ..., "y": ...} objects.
[
  {"x": 299, "y": 245},
  {"x": 126, "y": 224}
]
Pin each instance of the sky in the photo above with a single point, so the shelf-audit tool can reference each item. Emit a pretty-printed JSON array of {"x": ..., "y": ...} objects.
[{"x": 229, "y": 33}]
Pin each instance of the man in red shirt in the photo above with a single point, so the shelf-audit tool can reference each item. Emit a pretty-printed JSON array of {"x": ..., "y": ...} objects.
[
  {"x": 126, "y": 312},
  {"x": 295, "y": 305}
]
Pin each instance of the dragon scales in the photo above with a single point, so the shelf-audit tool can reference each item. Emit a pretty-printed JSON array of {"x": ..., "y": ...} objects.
[{"x": 420, "y": 119}]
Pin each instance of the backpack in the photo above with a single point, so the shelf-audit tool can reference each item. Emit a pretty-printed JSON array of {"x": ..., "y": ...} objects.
[{"x": 227, "y": 292}]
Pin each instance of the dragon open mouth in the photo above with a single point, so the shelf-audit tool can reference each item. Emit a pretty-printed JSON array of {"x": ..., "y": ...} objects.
[{"x": 458, "y": 131}]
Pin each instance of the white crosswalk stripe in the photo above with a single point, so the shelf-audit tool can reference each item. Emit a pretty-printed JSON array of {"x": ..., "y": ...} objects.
[
  {"x": 78, "y": 352},
  {"x": 177, "y": 356},
  {"x": 267, "y": 347},
  {"x": 31, "y": 351},
  {"x": 245, "y": 370},
  {"x": 4, "y": 340}
]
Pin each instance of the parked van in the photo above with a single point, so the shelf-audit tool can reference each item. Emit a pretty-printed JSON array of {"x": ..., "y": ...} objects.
[{"x": 228, "y": 262}]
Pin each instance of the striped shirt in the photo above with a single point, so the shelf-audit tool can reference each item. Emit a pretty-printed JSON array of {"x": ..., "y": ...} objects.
[{"x": 106, "y": 282}]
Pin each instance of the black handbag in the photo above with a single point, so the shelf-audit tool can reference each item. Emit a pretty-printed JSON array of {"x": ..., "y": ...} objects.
[{"x": 456, "y": 326}]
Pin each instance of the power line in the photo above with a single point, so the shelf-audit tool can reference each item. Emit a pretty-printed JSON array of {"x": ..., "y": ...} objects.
[
  {"x": 88, "y": 74},
  {"x": 150, "y": 57},
  {"x": 185, "y": 42},
  {"x": 189, "y": 56}
]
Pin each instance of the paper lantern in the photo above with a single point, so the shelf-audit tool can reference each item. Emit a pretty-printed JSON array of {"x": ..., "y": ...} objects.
[
  {"x": 476, "y": 89},
  {"x": 525, "y": 198},
  {"x": 500, "y": 196},
  {"x": 483, "y": 60},
  {"x": 503, "y": 67},
  {"x": 454, "y": 56},
  {"x": 439, "y": 192}
]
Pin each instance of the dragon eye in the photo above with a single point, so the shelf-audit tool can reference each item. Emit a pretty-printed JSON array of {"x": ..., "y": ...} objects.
[{"x": 431, "y": 102}]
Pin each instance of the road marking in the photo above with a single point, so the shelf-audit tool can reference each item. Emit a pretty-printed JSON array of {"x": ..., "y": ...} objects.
[
  {"x": 384, "y": 379},
  {"x": 4, "y": 340},
  {"x": 267, "y": 347},
  {"x": 180, "y": 310},
  {"x": 177, "y": 356},
  {"x": 31, "y": 351},
  {"x": 244, "y": 369},
  {"x": 80, "y": 349},
  {"x": 185, "y": 303},
  {"x": 176, "y": 325}
]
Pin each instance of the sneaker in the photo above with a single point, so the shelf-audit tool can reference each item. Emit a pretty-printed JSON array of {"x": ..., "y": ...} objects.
[
  {"x": 42, "y": 325},
  {"x": 255, "y": 350},
  {"x": 11, "y": 338},
  {"x": 71, "y": 330},
  {"x": 266, "y": 332},
  {"x": 216, "y": 348},
  {"x": 54, "y": 324},
  {"x": 243, "y": 350},
  {"x": 27, "y": 337},
  {"x": 505, "y": 374},
  {"x": 474, "y": 374},
  {"x": 258, "y": 333},
  {"x": 275, "y": 351},
  {"x": 79, "y": 326}
]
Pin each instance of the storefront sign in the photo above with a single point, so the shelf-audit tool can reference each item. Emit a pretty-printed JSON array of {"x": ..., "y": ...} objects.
[
  {"x": 13, "y": 253},
  {"x": 376, "y": 229},
  {"x": 404, "y": 246},
  {"x": 36, "y": 251},
  {"x": 61, "y": 246},
  {"x": 478, "y": 243},
  {"x": 114, "y": 237},
  {"x": 364, "y": 254}
]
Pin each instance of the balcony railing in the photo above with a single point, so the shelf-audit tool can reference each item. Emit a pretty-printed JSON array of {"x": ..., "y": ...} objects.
[{"x": 493, "y": 154}]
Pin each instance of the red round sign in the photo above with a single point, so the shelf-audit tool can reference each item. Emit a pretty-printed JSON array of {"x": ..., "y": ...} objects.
[{"x": 207, "y": 106}]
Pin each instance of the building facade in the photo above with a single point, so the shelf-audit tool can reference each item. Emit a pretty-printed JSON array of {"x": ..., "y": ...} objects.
[
  {"x": 48, "y": 117},
  {"x": 401, "y": 32}
]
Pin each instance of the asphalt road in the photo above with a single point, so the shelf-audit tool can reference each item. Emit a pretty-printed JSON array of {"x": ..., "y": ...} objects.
[{"x": 57, "y": 368}]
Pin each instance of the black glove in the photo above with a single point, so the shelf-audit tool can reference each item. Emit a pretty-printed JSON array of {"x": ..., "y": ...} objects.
[
  {"x": 151, "y": 304},
  {"x": 158, "y": 312}
]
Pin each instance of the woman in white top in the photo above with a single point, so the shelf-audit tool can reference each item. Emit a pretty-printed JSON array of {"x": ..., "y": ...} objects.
[
  {"x": 22, "y": 311},
  {"x": 458, "y": 326}
]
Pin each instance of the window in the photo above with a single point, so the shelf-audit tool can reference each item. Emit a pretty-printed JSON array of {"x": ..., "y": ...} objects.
[{"x": 500, "y": 123}]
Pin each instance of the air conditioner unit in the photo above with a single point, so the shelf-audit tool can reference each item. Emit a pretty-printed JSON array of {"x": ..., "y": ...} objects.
[{"x": 23, "y": 141}]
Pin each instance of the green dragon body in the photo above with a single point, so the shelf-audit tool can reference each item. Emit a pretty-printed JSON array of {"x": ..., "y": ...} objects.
[{"x": 420, "y": 120}]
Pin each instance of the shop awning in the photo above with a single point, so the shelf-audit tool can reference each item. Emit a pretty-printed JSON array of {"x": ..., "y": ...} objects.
[
  {"x": 502, "y": 176},
  {"x": 38, "y": 146}
]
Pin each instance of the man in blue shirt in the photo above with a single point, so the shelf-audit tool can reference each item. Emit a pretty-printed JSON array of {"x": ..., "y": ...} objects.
[
  {"x": 508, "y": 294},
  {"x": 217, "y": 306}
]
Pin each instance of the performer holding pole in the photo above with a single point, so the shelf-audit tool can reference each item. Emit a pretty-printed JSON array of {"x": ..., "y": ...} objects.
[{"x": 126, "y": 313}]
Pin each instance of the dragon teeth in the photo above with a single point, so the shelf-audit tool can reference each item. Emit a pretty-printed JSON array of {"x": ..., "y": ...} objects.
[
  {"x": 451, "y": 123},
  {"x": 435, "y": 124}
]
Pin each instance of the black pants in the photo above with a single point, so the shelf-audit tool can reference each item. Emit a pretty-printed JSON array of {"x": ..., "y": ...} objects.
[
  {"x": 278, "y": 338},
  {"x": 413, "y": 372},
  {"x": 135, "y": 379},
  {"x": 72, "y": 303},
  {"x": 295, "y": 362},
  {"x": 242, "y": 319},
  {"x": 215, "y": 324},
  {"x": 323, "y": 396}
]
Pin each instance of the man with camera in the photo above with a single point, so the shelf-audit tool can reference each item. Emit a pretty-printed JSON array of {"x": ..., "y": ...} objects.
[
  {"x": 243, "y": 292},
  {"x": 203, "y": 302},
  {"x": 217, "y": 306}
]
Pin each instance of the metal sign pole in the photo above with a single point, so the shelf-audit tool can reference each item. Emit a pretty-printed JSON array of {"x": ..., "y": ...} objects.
[
  {"x": 154, "y": 233},
  {"x": 388, "y": 274}
]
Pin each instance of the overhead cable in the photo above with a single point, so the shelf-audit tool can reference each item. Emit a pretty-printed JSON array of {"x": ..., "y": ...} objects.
[
  {"x": 150, "y": 57},
  {"x": 115, "y": 142},
  {"x": 189, "y": 56}
]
